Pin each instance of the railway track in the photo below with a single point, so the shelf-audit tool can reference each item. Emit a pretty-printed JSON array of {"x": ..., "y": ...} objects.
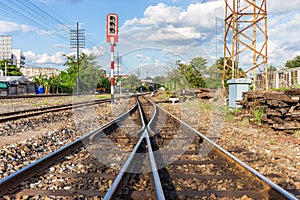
[
  {"x": 58, "y": 173},
  {"x": 29, "y": 96},
  {"x": 146, "y": 153},
  {"x": 8, "y": 116}
]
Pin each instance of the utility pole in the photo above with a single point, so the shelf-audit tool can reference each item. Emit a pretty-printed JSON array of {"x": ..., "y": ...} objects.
[{"x": 77, "y": 41}]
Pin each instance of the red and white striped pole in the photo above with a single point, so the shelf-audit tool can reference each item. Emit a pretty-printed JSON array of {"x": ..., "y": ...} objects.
[
  {"x": 112, "y": 67},
  {"x": 112, "y": 37}
]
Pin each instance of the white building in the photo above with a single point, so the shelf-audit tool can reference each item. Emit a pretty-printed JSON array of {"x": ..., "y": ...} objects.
[
  {"x": 5, "y": 47},
  {"x": 18, "y": 58},
  {"x": 15, "y": 56},
  {"x": 31, "y": 72}
]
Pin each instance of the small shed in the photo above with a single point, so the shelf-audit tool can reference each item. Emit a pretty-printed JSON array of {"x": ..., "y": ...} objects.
[
  {"x": 3, "y": 88},
  {"x": 17, "y": 85}
]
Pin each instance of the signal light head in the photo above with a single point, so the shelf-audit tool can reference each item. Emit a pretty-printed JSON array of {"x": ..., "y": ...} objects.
[{"x": 112, "y": 27}]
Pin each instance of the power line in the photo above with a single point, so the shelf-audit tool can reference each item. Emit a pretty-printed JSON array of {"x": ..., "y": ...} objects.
[
  {"x": 16, "y": 12},
  {"x": 43, "y": 15}
]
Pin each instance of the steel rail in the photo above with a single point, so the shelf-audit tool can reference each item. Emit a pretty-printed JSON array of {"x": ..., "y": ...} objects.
[
  {"x": 13, "y": 180},
  {"x": 111, "y": 193},
  {"x": 282, "y": 192},
  {"x": 34, "y": 96},
  {"x": 34, "y": 112},
  {"x": 44, "y": 111},
  {"x": 156, "y": 178},
  {"x": 53, "y": 107},
  {"x": 115, "y": 187}
]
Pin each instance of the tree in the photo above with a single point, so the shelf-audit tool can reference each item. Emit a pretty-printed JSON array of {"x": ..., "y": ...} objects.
[
  {"x": 54, "y": 83},
  {"x": 272, "y": 68},
  {"x": 191, "y": 74},
  {"x": 228, "y": 73},
  {"x": 293, "y": 63},
  {"x": 131, "y": 82},
  {"x": 160, "y": 81},
  {"x": 12, "y": 70},
  {"x": 43, "y": 81},
  {"x": 89, "y": 73},
  {"x": 200, "y": 64},
  {"x": 66, "y": 82},
  {"x": 214, "y": 76},
  {"x": 104, "y": 82}
]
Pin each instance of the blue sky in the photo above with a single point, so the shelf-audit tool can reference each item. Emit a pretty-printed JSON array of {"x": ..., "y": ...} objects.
[{"x": 153, "y": 33}]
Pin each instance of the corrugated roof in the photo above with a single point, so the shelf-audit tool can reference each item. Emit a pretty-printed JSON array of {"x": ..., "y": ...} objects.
[{"x": 3, "y": 85}]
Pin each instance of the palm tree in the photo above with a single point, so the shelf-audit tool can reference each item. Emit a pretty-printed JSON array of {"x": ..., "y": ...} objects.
[
  {"x": 55, "y": 83},
  {"x": 42, "y": 81}
]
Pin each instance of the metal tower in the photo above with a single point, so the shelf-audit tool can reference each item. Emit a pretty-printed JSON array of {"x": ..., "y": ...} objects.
[{"x": 246, "y": 39}]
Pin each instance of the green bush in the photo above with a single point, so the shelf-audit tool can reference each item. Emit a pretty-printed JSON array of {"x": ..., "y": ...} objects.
[{"x": 258, "y": 113}]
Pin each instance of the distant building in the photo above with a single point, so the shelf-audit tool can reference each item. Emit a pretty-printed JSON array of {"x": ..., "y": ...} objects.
[
  {"x": 5, "y": 47},
  {"x": 283, "y": 78},
  {"x": 31, "y": 72},
  {"x": 17, "y": 58}
]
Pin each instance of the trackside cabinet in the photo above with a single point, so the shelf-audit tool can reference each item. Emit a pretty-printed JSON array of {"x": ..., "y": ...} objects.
[{"x": 236, "y": 89}]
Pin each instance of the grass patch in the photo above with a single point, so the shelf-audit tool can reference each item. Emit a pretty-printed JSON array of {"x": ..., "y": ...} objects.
[
  {"x": 258, "y": 113},
  {"x": 205, "y": 106},
  {"x": 29, "y": 101},
  {"x": 163, "y": 95},
  {"x": 103, "y": 96},
  {"x": 230, "y": 116}
]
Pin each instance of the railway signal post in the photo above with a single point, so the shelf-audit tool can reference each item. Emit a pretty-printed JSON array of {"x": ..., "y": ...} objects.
[{"x": 112, "y": 38}]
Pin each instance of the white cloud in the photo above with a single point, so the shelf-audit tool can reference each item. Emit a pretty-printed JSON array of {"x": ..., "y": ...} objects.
[
  {"x": 95, "y": 51},
  {"x": 29, "y": 55},
  {"x": 174, "y": 23},
  {"x": 198, "y": 15},
  {"x": 283, "y": 27},
  {"x": 283, "y": 7},
  {"x": 58, "y": 58},
  {"x": 202, "y": 15},
  {"x": 55, "y": 59},
  {"x": 172, "y": 33},
  {"x": 8, "y": 27},
  {"x": 283, "y": 32},
  {"x": 161, "y": 13}
]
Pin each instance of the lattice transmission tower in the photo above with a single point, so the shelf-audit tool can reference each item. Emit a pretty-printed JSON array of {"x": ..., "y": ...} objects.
[{"x": 246, "y": 40}]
